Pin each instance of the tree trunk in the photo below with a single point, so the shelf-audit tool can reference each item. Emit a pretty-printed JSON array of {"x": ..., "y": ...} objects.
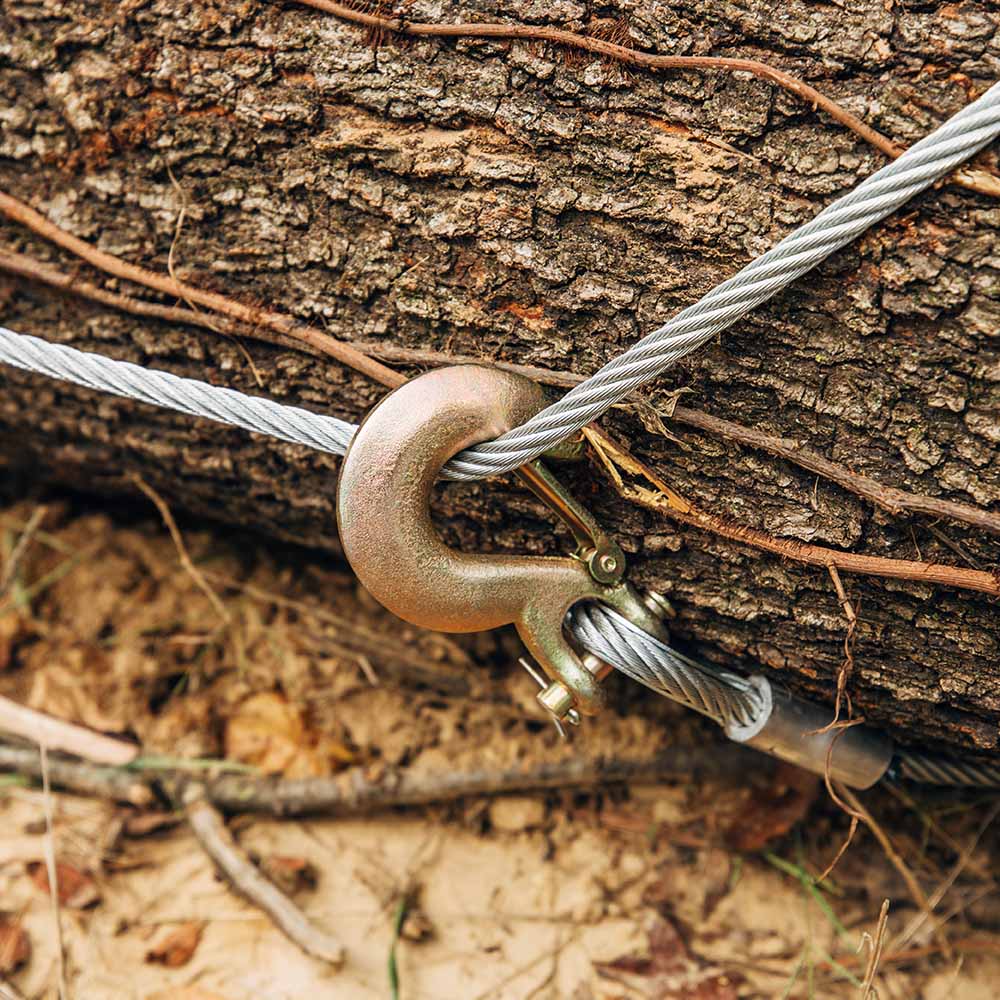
[{"x": 519, "y": 201}]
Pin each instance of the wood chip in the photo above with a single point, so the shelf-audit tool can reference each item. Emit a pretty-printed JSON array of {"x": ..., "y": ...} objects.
[
  {"x": 76, "y": 889},
  {"x": 15, "y": 946},
  {"x": 175, "y": 947}
]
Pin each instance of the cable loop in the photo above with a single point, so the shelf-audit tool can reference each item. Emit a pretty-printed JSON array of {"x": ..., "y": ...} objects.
[{"x": 723, "y": 696}]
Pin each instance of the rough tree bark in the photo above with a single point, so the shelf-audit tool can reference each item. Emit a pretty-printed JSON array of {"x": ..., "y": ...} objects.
[{"x": 514, "y": 201}]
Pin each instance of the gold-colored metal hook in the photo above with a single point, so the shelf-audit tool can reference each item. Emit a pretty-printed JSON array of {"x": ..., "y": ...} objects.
[{"x": 383, "y": 505}]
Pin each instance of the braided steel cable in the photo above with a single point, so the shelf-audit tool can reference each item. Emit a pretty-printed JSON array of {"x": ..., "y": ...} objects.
[
  {"x": 931, "y": 769},
  {"x": 720, "y": 695},
  {"x": 934, "y": 156},
  {"x": 724, "y": 697},
  {"x": 197, "y": 399}
]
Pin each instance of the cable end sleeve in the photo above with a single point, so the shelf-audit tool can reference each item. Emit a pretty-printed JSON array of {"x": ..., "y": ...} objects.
[{"x": 800, "y": 732}]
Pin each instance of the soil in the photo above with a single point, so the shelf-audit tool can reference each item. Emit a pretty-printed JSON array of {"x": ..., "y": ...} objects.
[{"x": 684, "y": 890}]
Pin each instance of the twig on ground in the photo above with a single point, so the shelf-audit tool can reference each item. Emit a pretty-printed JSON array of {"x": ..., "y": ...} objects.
[
  {"x": 115, "y": 783},
  {"x": 57, "y": 734},
  {"x": 355, "y": 793},
  {"x": 50, "y": 867},
  {"x": 49, "y": 540},
  {"x": 368, "y": 670},
  {"x": 917, "y": 893},
  {"x": 969, "y": 177},
  {"x": 213, "y": 835},
  {"x": 186, "y": 561},
  {"x": 875, "y": 955},
  {"x": 664, "y": 500},
  {"x": 963, "y": 946},
  {"x": 13, "y": 562},
  {"x": 960, "y": 946}
]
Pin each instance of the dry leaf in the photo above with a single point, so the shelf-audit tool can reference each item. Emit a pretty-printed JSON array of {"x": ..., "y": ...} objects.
[
  {"x": 671, "y": 972},
  {"x": 15, "y": 946},
  {"x": 291, "y": 875},
  {"x": 176, "y": 946},
  {"x": 76, "y": 889},
  {"x": 269, "y": 732},
  {"x": 772, "y": 813}
]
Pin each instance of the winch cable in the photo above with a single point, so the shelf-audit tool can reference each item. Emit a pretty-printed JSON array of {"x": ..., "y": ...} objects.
[
  {"x": 932, "y": 769},
  {"x": 186, "y": 395},
  {"x": 724, "y": 697},
  {"x": 850, "y": 215},
  {"x": 729, "y": 699}
]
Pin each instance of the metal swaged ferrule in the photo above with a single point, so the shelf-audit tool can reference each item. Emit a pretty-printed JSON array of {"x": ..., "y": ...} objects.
[
  {"x": 383, "y": 510},
  {"x": 796, "y": 731}
]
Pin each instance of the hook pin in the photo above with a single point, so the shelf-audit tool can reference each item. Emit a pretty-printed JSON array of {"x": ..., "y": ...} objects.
[{"x": 572, "y": 716}]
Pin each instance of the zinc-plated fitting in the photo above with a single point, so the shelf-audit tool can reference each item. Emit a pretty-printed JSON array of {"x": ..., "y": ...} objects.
[
  {"x": 556, "y": 698},
  {"x": 796, "y": 730}
]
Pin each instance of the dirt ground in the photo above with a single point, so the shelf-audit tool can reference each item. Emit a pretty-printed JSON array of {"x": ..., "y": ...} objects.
[{"x": 255, "y": 655}]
